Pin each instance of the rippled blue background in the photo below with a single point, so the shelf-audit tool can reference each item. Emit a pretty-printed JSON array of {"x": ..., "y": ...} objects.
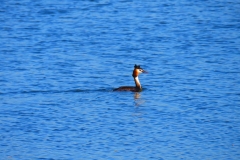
[{"x": 60, "y": 61}]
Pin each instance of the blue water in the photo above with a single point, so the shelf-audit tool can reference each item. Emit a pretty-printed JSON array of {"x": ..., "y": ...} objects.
[{"x": 60, "y": 61}]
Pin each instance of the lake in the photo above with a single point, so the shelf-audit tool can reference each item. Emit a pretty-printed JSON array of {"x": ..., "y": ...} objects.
[{"x": 61, "y": 60}]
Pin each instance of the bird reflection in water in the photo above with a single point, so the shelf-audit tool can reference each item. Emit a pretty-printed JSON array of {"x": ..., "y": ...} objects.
[
  {"x": 138, "y": 113},
  {"x": 138, "y": 100}
]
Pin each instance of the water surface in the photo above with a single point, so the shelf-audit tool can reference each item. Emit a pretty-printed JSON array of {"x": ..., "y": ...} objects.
[{"x": 60, "y": 61}]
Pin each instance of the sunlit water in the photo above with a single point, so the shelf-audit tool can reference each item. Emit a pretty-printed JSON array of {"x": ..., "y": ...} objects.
[{"x": 60, "y": 61}]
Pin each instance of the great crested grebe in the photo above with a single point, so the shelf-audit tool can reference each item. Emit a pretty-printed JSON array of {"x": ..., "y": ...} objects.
[{"x": 136, "y": 71}]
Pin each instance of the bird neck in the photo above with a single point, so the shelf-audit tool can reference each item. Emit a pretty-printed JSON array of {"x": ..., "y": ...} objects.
[{"x": 137, "y": 82}]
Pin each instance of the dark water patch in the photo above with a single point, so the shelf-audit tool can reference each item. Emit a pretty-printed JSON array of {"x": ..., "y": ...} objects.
[{"x": 57, "y": 91}]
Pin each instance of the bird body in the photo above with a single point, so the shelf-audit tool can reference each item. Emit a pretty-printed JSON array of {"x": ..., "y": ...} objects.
[{"x": 138, "y": 88}]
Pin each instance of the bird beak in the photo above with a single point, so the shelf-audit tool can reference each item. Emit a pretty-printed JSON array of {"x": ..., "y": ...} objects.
[{"x": 144, "y": 71}]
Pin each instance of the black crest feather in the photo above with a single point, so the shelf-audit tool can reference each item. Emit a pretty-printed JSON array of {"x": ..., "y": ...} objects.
[{"x": 137, "y": 66}]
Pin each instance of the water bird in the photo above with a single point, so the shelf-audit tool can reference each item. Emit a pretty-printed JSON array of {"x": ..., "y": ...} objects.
[{"x": 138, "y": 88}]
